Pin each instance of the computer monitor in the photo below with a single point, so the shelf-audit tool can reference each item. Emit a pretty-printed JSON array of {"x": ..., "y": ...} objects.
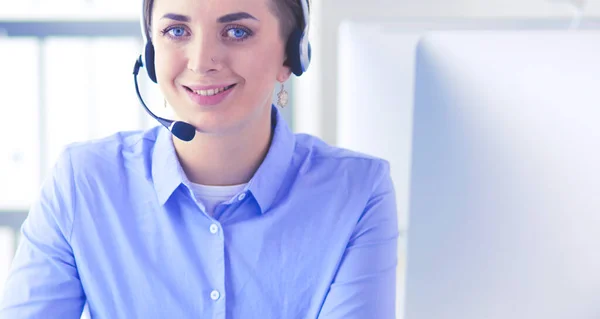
[
  {"x": 504, "y": 203},
  {"x": 376, "y": 65}
]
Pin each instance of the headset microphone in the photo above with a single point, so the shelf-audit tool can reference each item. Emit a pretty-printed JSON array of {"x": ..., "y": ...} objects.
[{"x": 181, "y": 130}]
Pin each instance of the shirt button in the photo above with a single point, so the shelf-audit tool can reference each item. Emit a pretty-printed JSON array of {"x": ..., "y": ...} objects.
[
  {"x": 242, "y": 196},
  {"x": 214, "y": 295},
  {"x": 214, "y": 229}
]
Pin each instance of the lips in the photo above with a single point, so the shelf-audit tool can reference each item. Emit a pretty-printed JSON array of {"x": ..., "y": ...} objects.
[
  {"x": 209, "y": 95},
  {"x": 211, "y": 91}
]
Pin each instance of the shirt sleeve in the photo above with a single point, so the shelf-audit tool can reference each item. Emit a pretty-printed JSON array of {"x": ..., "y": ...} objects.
[
  {"x": 43, "y": 281},
  {"x": 365, "y": 283}
]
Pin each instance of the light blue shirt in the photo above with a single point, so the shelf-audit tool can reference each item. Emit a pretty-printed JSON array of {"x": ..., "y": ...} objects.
[{"x": 313, "y": 235}]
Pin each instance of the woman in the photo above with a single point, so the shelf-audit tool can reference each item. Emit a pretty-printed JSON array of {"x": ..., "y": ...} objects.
[{"x": 247, "y": 220}]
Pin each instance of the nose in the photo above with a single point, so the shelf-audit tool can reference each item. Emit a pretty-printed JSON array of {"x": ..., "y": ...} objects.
[{"x": 204, "y": 54}]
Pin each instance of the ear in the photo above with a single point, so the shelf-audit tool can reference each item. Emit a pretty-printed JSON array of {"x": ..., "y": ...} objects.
[{"x": 284, "y": 73}]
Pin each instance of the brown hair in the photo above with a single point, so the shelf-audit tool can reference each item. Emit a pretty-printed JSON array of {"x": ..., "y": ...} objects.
[{"x": 289, "y": 13}]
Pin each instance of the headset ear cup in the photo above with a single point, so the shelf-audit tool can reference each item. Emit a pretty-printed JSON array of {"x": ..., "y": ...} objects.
[
  {"x": 293, "y": 52},
  {"x": 149, "y": 61}
]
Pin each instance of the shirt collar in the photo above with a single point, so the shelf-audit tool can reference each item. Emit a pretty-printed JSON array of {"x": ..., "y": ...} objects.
[
  {"x": 167, "y": 173},
  {"x": 268, "y": 179}
]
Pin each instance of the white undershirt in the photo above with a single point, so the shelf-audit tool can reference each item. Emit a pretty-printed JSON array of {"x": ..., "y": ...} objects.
[{"x": 211, "y": 196}]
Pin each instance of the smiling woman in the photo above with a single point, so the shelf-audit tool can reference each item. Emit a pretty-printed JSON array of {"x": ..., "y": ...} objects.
[
  {"x": 232, "y": 47},
  {"x": 245, "y": 220}
]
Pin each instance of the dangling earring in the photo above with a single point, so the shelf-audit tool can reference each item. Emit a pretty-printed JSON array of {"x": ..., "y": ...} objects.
[
  {"x": 165, "y": 103},
  {"x": 282, "y": 96}
]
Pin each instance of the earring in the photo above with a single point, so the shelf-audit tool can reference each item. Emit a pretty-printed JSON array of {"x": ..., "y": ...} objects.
[
  {"x": 282, "y": 96},
  {"x": 165, "y": 103}
]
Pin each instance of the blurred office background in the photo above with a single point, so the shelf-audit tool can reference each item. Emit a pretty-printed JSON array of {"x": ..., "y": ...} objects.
[{"x": 65, "y": 76}]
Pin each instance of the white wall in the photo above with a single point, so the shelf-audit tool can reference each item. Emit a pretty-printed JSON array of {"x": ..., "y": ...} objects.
[{"x": 315, "y": 94}]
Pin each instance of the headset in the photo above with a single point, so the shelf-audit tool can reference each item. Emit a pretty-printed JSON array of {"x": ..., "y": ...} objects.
[{"x": 298, "y": 51}]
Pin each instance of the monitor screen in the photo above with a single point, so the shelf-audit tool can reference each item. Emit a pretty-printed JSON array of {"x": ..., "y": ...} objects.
[{"x": 504, "y": 203}]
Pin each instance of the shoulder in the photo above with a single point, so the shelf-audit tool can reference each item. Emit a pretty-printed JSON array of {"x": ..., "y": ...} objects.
[
  {"x": 317, "y": 149},
  {"x": 118, "y": 149},
  {"x": 315, "y": 154},
  {"x": 78, "y": 166},
  {"x": 119, "y": 143}
]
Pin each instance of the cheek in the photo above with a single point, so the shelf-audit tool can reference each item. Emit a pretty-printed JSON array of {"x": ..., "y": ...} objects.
[
  {"x": 259, "y": 66},
  {"x": 167, "y": 63}
]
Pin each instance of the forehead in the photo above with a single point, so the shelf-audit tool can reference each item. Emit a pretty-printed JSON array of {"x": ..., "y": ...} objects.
[{"x": 203, "y": 8}]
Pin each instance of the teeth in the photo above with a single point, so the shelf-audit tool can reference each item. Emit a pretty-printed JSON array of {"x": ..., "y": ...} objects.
[{"x": 209, "y": 92}]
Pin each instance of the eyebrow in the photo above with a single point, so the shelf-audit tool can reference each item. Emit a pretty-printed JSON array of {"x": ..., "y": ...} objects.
[
  {"x": 235, "y": 16},
  {"x": 177, "y": 17},
  {"x": 224, "y": 19}
]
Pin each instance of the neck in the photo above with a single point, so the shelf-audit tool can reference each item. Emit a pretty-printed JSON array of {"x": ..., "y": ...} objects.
[{"x": 225, "y": 159}]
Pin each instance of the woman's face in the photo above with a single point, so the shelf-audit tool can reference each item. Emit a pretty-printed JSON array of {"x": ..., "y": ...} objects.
[{"x": 217, "y": 61}]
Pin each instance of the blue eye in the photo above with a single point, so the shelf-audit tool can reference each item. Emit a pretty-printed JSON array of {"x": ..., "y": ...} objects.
[
  {"x": 177, "y": 32},
  {"x": 238, "y": 33}
]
